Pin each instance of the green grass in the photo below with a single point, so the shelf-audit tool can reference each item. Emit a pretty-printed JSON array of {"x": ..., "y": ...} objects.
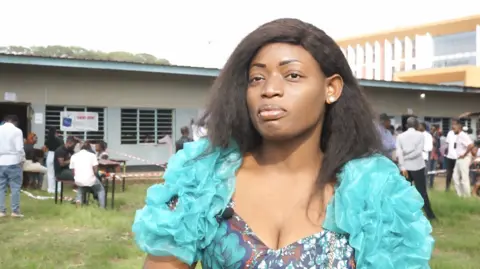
[{"x": 62, "y": 236}]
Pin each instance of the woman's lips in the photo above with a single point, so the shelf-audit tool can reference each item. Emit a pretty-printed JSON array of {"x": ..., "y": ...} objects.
[{"x": 271, "y": 112}]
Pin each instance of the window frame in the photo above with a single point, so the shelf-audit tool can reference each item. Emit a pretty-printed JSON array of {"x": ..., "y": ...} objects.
[{"x": 163, "y": 124}]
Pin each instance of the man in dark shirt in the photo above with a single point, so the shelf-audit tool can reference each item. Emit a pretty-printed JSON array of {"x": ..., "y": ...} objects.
[
  {"x": 61, "y": 160},
  {"x": 184, "y": 139}
]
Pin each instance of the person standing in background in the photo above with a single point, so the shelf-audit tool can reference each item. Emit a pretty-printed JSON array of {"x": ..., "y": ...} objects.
[
  {"x": 435, "y": 156},
  {"x": 184, "y": 139},
  {"x": 427, "y": 146},
  {"x": 388, "y": 140},
  {"x": 410, "y": 148},
  {"x": 461, "y": 173},
  {"x": 12, "y": 157},
  {"x": 52, "y": 143},
  {"x": 450, "y": 155}
]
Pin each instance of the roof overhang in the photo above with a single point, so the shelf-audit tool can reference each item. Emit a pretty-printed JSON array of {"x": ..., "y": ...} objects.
[
  {"x": 107, "y": 65},
  {"x": 200, "y": 72}
]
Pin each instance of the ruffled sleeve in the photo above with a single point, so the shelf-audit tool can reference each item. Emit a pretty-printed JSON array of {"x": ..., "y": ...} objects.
[
  {"x": 179, "y": 216},
  {"x": 382, "y": 214}
]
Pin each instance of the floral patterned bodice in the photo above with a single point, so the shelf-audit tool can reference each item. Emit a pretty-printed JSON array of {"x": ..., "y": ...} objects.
[{"x": 235, "y": 246}]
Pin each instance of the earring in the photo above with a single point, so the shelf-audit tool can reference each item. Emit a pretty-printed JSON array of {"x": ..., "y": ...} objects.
[{"x": 331, "y": 99}]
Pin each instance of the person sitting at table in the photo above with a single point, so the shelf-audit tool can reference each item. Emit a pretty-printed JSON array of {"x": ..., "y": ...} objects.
[
  {"x": 84, "y": 165},
  {"x": 101, "y": 149},
  {"x": 32, "y": 163},
  {"x": 62, "y": 159}
]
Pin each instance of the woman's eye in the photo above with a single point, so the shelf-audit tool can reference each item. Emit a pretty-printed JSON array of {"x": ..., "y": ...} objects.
[
  {"x": 293, "y": 76},
  {"x": 255, "y": 79}
]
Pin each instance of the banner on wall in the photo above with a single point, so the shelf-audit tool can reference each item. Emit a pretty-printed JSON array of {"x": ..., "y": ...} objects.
[{"x": 78, "y": 121}]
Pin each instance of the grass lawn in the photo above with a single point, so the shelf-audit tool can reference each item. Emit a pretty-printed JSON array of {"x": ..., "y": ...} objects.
[{"x": 62, "y": 236}]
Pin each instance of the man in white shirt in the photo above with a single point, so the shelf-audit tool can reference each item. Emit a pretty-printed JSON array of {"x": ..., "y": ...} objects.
[
  {"x": 85, "y": 170},
  {"x": 427, "y": 144},
  {"x": 450, "y": 156},
  {"x": 12, "y": 157},
  {"x": 410, "y": 147},
  {"x": 461, "y": 172}
]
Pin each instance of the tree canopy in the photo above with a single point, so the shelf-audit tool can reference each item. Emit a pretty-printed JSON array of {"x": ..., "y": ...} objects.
[{"x": 85, "y": 54}]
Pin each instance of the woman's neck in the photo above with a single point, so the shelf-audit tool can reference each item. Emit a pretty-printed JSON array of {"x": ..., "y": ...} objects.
[{"x": 293, "y": 155}]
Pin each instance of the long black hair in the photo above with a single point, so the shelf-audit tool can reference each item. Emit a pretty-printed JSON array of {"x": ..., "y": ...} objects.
[{"x": 348, "y": 132}]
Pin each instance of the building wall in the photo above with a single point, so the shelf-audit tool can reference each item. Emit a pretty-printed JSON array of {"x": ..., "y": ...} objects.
[
  {"x": 435, "y": 104},
  {"x": 383, "y": 55},
  {"x": 436, "y": 107},
  {"x": 112, "y": 91},
  {"x": 383, "y": 58}
]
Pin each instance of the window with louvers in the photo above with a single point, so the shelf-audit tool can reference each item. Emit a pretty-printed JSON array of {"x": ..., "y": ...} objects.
[
  {"x": 466, "y": 122},
  {"x": 444, "y": 123},
  {"x": 145, "y": 125},
  {"x": 52, "y": 119}
]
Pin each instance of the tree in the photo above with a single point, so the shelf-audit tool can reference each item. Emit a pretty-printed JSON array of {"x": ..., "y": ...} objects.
[{"x": 74, "y": 52}]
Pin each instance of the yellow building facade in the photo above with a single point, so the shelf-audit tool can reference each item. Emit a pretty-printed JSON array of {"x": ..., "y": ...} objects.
[{"x": 446, "y": 52}]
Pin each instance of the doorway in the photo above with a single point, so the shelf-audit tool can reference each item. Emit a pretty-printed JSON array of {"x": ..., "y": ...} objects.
[
  {"x": 404, "y": 121},
  {"x": 21, "y": 110}
]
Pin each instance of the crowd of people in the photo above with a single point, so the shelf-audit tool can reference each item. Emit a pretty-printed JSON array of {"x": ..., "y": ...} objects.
[
  {"x": 72, "y": 160},
  {"x": 420, "y": 153}
]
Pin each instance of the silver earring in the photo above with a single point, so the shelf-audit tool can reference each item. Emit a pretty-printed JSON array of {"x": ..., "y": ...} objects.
[{"x": 331, "y": 99}]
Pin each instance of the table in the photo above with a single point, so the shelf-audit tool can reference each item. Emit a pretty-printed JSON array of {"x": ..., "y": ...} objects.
[
  {"x": 124, "y": 170},
  {"x": 110, "y": 167}
]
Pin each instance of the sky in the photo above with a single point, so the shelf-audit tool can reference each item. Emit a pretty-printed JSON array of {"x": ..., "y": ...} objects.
[{"x": 201, "y": 33}]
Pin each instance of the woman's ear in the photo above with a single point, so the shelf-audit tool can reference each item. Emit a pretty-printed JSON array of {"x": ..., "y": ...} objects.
[{"x": 334, "y": 86}]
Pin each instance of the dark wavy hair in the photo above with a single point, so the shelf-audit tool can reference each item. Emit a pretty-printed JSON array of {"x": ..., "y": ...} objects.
[{"x": 348, "y": 132}]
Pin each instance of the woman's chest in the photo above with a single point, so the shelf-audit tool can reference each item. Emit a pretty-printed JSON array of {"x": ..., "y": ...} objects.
[{"x": 236, "y": 246}]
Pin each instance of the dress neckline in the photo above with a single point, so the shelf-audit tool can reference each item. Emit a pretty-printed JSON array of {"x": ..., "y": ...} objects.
[{"x": 253, "y": 234}]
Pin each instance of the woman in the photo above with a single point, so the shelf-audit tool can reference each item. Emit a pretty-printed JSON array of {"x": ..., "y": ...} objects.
[
  {"x": 32, "y": 164},
  {"x": 51, "y": 144},
  {"x": 101, "y": 149},
  {"x": 289, "y": 176}
]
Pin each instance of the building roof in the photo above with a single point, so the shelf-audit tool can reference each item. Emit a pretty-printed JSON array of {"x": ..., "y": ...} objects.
[
  {"x": 199, "y": 71},
  {"x": 106, "y": 65},
  {"x": 446, "y": 27}
]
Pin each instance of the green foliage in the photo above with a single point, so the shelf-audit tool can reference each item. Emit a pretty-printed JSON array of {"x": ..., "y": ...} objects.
[{"x": 82, "y": 53}]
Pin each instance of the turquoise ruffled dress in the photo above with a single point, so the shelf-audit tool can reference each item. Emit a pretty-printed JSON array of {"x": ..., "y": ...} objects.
[{"x": 374, "y": 220}]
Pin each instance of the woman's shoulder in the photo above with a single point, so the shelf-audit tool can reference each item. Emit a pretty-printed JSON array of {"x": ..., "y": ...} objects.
[
  {"x": 371, "y": 167},
  {"x": 198, "y": 160},
  {"x": 179, "y": 218},
  {"x": 382, "y": 213}
]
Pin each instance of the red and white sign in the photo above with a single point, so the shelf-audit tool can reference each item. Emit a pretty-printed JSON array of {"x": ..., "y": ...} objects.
[{"x": 78, "y": 121}]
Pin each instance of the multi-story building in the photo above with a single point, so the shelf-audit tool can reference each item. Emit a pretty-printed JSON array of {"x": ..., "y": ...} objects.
[{"x": 446, "y": 52}]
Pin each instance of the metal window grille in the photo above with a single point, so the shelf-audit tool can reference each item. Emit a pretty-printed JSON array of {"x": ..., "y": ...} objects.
[{"x": 140, "y": 126}]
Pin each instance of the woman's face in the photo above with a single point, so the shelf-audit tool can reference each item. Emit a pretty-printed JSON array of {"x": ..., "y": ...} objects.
[{"x": 287, "y": 91}]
